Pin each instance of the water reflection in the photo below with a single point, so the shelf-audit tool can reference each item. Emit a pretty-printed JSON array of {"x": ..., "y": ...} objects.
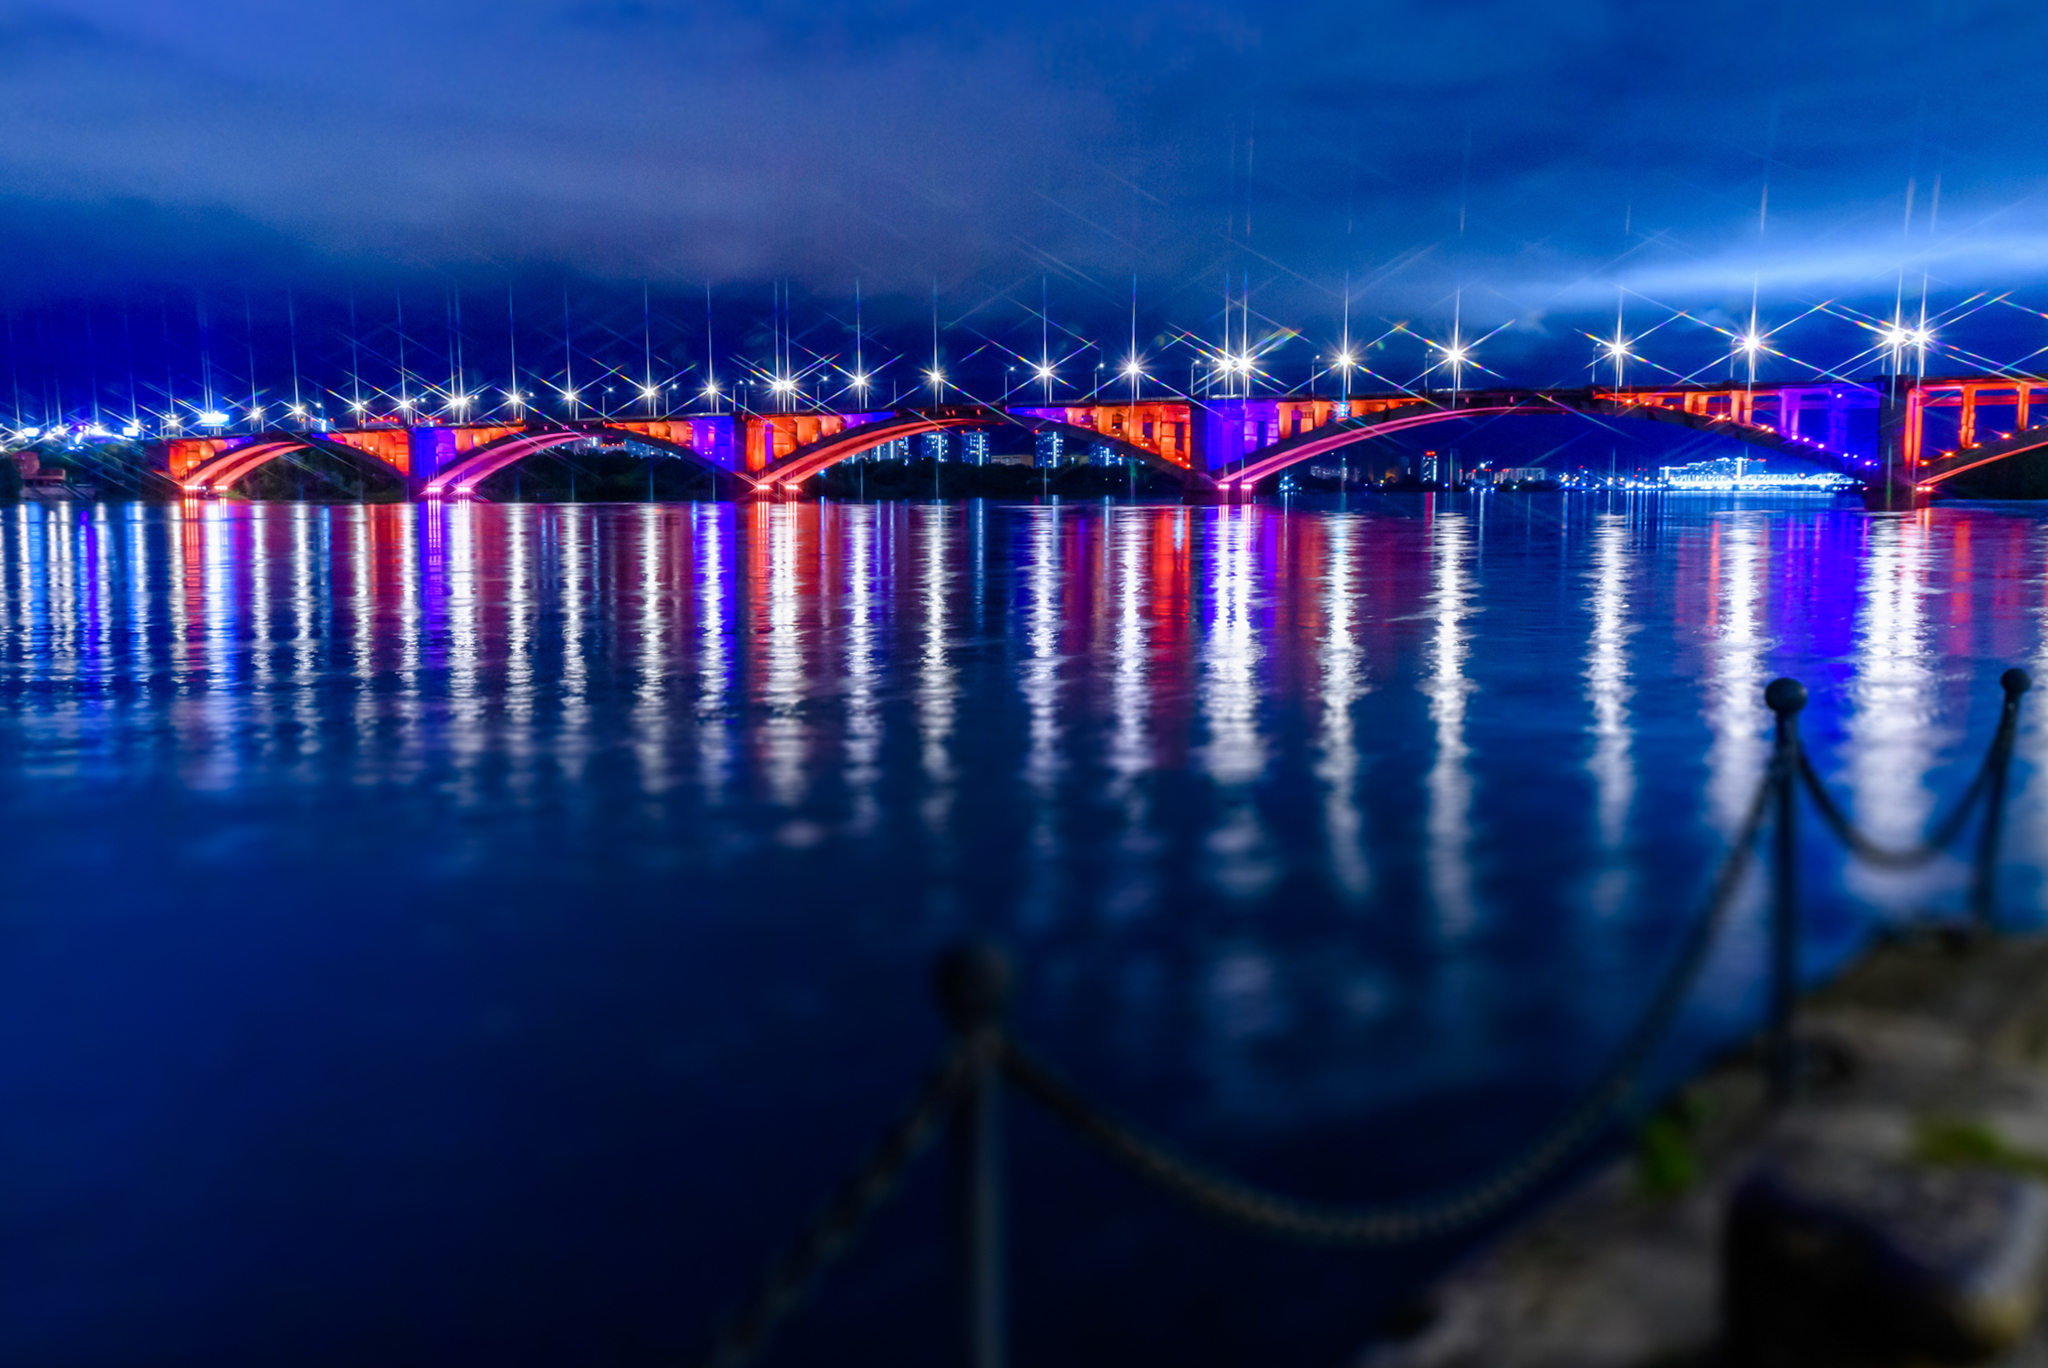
[
  {"x": 784, "y": 736},
  {"x": 1890, "y": 741},
  {"x": 1235, "y": 753},
  {"x": 1735, "y": 669},
  {"x": 1343, "y": 684},
  {"x": 477, "y": 638},
  {"x": 935, "y": 687},
  {"x": 1038, "y": 684},
  {"x": 519, "y": 612},
  {"x": 650, "y": 697},
  {"x": 1449, "y": 785},
  {"x": 863, "y": 670},
  {"x": 1607, "y": 679},
  {"x": 1134, "y": 538},
  {"x": 712, "y": 545},
  {"x": 591, "y": 819},
  {"x": 1241, "y": 862}
]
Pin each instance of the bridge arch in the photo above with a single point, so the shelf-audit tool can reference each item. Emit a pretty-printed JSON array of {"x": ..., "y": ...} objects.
[
  {"x": 1940, "y": 469},
  {"x": 220, "y": 472},
  {"x": 460, "y": 477},
  {"x": 1240, "y": 476},
  {"x": 787, "y": 476}
]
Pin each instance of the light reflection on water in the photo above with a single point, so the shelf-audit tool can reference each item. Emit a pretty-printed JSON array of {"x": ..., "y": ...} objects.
[{"x": 554, "y": 884}]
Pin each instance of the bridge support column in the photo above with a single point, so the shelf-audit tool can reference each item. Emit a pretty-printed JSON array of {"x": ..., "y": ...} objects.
[{"x": 1892, "y": 488}]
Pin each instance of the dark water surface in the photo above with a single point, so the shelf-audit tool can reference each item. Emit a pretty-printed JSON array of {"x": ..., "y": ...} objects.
[{"x": 484, "y": 934}]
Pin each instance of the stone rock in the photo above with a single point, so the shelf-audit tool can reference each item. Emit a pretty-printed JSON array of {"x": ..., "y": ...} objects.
[{"x": 1834, "y": 1258}]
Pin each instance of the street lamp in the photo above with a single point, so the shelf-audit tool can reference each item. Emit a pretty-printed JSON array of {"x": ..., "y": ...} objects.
[
  {"x": 1617, "y": 352},
  {"x": 1455, "y": 356}
]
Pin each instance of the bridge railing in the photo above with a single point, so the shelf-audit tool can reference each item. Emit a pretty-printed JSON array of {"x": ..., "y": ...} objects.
[{"x": 965, "y": 1090}]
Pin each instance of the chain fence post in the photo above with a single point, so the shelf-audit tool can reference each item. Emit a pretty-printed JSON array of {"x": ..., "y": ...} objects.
[
  {"x": 1785, "y": 697},
  {"x": 1984, "y": 878},
  {"x": 973, "y": 984}
]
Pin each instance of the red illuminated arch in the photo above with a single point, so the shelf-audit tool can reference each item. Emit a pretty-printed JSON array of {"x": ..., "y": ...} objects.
[
  {"x": 1953, "y": 463},
  {"x": 221, "y": 472},
  {"x": 462, "y": 476},
  {"x": 787, "y": 476}
]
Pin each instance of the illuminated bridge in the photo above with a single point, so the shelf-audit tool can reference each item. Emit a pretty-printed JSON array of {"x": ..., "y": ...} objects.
[{"x": 1902, "y": 436}]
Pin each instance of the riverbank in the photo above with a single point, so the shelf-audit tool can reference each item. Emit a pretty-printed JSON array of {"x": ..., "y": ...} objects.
[{"x": 1940, "y": 1059}]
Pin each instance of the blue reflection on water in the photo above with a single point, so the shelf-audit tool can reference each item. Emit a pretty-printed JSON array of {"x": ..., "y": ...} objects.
[{"x": 440, "y": 933}]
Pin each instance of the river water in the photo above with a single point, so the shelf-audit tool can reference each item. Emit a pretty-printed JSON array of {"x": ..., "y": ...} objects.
[{"x": 487, "y": 933}]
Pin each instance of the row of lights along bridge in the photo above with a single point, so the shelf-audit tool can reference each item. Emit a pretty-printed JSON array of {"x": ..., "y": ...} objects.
[{"x": 825, "y": 381}]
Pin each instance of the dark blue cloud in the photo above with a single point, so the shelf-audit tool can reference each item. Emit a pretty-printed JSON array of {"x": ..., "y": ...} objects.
[{"x": 1510, "y": 161}]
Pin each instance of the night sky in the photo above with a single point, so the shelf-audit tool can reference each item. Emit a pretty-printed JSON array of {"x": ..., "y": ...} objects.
[{"x": 174, "y": 172}]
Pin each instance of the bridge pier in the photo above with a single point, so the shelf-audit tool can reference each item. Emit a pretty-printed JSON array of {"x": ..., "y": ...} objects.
[
  {"x": 1895, "y": 488},
  {"x": 1894, "y": 496}
]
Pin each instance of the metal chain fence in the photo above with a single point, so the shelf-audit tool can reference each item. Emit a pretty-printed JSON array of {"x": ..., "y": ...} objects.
[{"x": 973, "y": 984}]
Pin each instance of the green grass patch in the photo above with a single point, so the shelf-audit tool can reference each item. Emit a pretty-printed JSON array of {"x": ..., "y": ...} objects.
[{"x": 1951, "y": 1143}]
